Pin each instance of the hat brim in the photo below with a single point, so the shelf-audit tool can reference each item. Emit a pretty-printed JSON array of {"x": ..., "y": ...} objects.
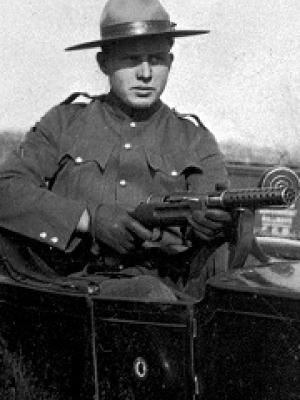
[{"x": 99, "y": 43}]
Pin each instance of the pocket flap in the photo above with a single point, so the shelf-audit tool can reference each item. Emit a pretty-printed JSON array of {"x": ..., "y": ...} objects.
[{"x": 172, "y": 163}]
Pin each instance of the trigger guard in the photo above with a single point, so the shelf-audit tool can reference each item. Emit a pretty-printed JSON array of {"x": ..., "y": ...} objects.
[{"x": 157, "y": 235}]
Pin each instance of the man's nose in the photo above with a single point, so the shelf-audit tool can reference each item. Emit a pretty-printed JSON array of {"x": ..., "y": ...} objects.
[{"x": 145, "y": 70}]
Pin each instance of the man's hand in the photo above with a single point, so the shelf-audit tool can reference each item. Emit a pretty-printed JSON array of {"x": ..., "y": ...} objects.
[
  {"x": 210, "y": 224},
  {"x": 113, "y": 226}
]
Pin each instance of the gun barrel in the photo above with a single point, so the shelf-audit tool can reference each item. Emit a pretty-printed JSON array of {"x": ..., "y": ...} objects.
[{"x": 253, "y": 198}]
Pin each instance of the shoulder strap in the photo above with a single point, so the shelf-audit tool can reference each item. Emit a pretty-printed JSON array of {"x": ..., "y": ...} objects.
[
  {"x": 190, "y": 117},
  {"x": 75, "y": 95}
]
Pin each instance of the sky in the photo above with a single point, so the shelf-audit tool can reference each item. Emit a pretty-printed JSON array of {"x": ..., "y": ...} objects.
[{"x": 242, "y": 80}]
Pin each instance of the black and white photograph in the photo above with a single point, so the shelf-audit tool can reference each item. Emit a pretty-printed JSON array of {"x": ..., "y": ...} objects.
[{"x": 149, "y": 200}]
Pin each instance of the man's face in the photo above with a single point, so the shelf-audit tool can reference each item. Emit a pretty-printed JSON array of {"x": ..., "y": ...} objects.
[{"x": 138, "y": 69}]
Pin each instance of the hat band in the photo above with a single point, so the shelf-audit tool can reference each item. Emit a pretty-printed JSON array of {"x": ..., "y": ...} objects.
[{"x": 137, "y": 28}]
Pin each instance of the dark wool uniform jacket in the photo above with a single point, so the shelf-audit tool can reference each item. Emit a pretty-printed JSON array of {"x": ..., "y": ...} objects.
[{"x": 82, "y": 155}]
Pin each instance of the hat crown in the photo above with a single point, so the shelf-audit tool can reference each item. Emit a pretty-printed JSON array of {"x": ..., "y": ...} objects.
[
  {"x": 129, "y": 11},
  {"x": 127, "y": 19}
]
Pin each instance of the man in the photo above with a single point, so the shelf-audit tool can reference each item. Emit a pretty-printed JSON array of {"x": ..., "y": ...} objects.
[{"x": 70, "y": 187}]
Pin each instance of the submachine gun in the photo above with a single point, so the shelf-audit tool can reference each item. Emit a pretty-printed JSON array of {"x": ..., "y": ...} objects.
[{"x": 278, "y": 188}]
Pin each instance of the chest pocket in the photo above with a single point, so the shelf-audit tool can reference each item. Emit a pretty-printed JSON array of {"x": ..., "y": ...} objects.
[
  {"x": 171, "y": 171},
  {"x": 80, "y": 173}
]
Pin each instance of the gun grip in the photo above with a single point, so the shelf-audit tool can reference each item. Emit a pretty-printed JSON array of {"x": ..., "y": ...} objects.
[
  {"x": 241, "y": 245},
  {"x": 244, "y": 242}
]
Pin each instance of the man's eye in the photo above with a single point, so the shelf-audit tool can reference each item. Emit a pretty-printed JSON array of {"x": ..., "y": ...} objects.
[
  {"x": 131, "y": 59},
  {"x": 156, "y": 59}
]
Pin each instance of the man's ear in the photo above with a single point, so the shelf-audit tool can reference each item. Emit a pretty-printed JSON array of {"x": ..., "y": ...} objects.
[{"x": 101, "y": 60}]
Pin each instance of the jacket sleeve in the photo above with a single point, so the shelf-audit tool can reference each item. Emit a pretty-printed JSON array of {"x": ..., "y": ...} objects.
[
  {"x": 27, "y": 206},
  {"x": 212, "y": 165}
]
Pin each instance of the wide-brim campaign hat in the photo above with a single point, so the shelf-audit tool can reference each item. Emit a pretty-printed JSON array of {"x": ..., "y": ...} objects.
[{"x": 124, "y": 19}]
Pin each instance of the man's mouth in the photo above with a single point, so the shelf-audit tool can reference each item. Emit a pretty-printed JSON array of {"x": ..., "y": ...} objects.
[
  {"x": 143, "y": 88},
  {"x": 143, "y": 91}
]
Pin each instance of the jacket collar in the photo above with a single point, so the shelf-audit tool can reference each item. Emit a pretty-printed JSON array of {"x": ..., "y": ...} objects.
[{"x": 124, "y": 112}]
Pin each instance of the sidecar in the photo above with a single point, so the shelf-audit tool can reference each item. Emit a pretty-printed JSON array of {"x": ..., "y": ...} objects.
[{"x": 241, "y": 341}]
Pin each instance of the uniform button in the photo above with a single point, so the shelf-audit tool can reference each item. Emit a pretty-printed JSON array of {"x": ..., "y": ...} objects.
[
  {"x": 78, "y": 160},
  {"x": 123, "y": 182},
  {"x": 132, "y": 124},
  {"x": 54, "y": 239},
  {"x": 174, "y": 173},
  {"x": 43, "y": 235},
  {"x": 127, "y": 146}
]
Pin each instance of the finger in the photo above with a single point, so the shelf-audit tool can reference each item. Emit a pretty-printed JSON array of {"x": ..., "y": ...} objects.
[
  {"x": 203, "y": 236},
  {"x": 118, "y": 242},
  {"x": 203, "y": 230},
  {"x": 119, "y": 249},
  {"x": 206, "y": 230},
  {"x": 218, "y": 215},
  {"x": 123, "y": 246},
  {"x": 206, "y": 227},
  {"x": 198, "y": 219},
  {"x": 139, "y": 230},
  {"x": 208, "y": 235},
  {"x": 122, "y": 239}
]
